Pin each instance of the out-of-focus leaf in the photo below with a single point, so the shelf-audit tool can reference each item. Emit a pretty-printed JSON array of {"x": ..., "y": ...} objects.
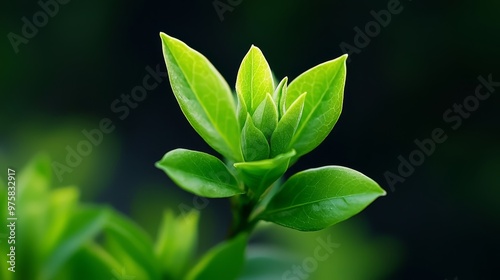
[
  {"x": 85, "y": 224},
  {"x": 223, "y": 262},
  {"x": 93, "y": 262},
  {"x": 32, "y": 203},
  {"x": 61, "y": 206},
  {"x": 176, "y": 242},
  {"x": 131, "y": 247},
  {"x": 35, "y": 179}
]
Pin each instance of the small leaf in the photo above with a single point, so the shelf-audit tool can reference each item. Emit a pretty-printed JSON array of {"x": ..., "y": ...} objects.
[
  {"x": 176, "y": 243},
  {"x": 318, "y": 198},
  {"x": 279, "y": 96},
  {"x": 223, "y": 262},
  {"x": 324, "y": 85},
  {"x": 242, "y": 110},
  {"x": 254, "y": 143},
  {"x": 204, "y": 97},
  {"x": 265, "y": 116},
  {"x": 199, "y": 173},
  {"x": 287, "y": 126},
  {"x": 259, "y": 175},
  {"x": 254, "y": 79}
]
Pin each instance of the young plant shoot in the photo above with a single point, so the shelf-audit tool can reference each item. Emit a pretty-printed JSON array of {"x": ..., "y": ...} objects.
[{"x": 261, "y": 132}]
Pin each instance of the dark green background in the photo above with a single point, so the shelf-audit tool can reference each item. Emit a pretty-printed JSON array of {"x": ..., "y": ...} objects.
[{"x": 428, "y": 57}]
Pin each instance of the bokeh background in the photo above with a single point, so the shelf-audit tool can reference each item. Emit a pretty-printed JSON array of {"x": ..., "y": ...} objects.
[{"x": 442, "y": 222}]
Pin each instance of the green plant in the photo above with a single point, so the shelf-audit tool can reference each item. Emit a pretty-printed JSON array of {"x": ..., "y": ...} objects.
[
  {"x": 261, "y": 132},
  {"x": 58, "y": 237}
]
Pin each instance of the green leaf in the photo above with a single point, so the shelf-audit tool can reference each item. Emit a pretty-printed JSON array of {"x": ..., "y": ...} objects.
[
  {"x": 62, "y": 203},
  {"x": 223, "y": 262},
  {"x": 32, "y": 203},
  {"x": 204, "y": 97},
  {"x": 242, "y": 110},
  {"x": 254, "y": 142},
  {"x": 287, "y": 126},
  {"x": 279, "y": 96},
  {"x": 254, "y": 79},
  {"x": 265, "y": 116},
  {"x": 318, "y": 198},
  {"x": 92, "y": 262},
  {"x": 131, "y": 247},
  {"x": 324, "y": 85},
  {"x": 35, "y": 179},
  {"x": 259, "y": 175},
  {"x": 85, "y": 224},
  {"x": 199, "y": 173},
  {"x": 176, "y": 243}
]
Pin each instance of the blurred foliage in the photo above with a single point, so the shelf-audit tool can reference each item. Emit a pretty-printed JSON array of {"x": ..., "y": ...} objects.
[
  {"x": 95, "y": 170},
  {"x": 57, "y": 237},
  {"x": 360, "y": 255}
]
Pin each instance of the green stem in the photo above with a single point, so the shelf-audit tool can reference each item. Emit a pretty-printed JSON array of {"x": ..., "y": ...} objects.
[{"x": 241, "y": 207}]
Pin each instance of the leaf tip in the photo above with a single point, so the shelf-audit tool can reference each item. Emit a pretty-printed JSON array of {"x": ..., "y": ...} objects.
[
  {"x": 164, "y": 37},
  {"x": 254, "y": 48},
  {"x": 383, "y": 192},
  {"x": 158, "y": 164}
]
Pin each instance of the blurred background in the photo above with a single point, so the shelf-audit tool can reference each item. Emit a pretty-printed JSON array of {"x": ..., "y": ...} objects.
[{"x": 66, "y": 75}]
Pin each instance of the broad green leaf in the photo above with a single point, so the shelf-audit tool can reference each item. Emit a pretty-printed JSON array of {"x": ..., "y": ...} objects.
[
  {"x": 324, "y": 85},
  {"x": 254, "y": 79},
  {"x": 259, "y": 175},
  {"x": 85, "y": 224},
  {"x": 199, "y": 173},
  {"x": 204, "y": 97},
  {"x": 318, "y": 198},
  {"x": 176, "y": 242},
  {"x": 287, "y": 126},
  {"x": 131, "y": 247},
  {"x": 279, "y": 96},
  {"x": 265, "y": 116},
  {"x": 223, "y": 262},
  {"x": 254, "y": 142}
]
